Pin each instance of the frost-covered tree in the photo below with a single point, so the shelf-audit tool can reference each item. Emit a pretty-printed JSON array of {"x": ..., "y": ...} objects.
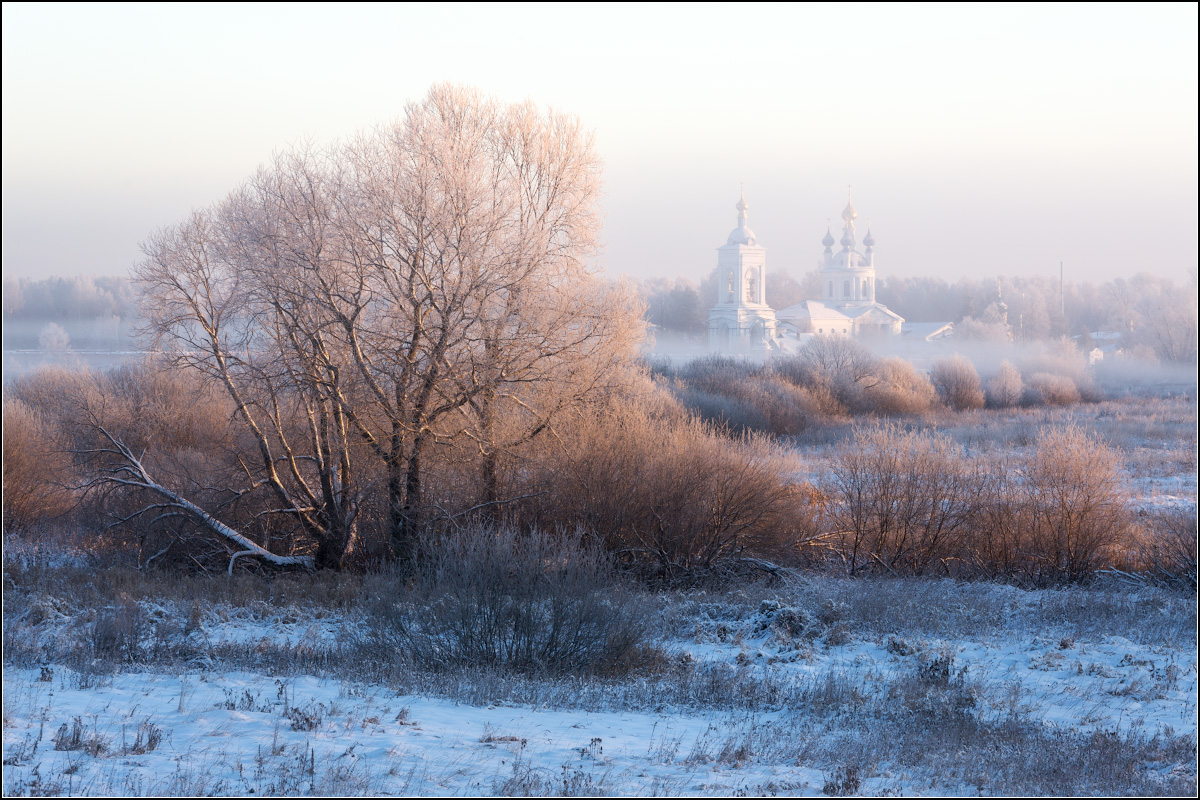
[
  {"x": 430, "y": 281},
  {"x": 53, "y": 338}
]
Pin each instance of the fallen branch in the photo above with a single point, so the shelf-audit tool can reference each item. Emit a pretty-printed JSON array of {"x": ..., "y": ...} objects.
[{"x": 131, "y": 472}]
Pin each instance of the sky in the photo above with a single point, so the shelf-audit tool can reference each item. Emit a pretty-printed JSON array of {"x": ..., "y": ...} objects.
[{"x": 980, "y": 140}]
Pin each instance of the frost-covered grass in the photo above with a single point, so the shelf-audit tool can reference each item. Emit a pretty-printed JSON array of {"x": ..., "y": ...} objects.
[{"x": 132, "y": 683}]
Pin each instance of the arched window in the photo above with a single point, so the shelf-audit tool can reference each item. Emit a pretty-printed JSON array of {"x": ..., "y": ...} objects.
[
  {"x": 846, "y": 289},
  {"x": 820, "y": 330}
]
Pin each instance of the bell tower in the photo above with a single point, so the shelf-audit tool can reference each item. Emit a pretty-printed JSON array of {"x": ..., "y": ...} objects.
[{"x": 741, "y": 320}]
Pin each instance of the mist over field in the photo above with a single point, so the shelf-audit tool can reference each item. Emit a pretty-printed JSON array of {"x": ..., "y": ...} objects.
[{"x": 479, "y": 400}]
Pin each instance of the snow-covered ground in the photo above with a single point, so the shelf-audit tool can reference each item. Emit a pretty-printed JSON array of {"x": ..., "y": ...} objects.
[{"x": 206, "y": 730}]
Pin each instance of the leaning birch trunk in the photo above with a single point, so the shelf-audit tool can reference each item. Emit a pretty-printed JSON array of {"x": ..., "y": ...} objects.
[{"x": 133, "y": 473}]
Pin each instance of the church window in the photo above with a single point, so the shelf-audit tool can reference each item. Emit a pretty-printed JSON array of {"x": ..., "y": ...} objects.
[
  {"x": 831, "y": 290},
  {"x": 730, "y": 287},
  {"x": 820, "y": 330},
  {"x": 846, "y": 289}
]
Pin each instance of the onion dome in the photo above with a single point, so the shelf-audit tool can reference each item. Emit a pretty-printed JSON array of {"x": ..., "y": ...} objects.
[
  {"x": 828, "y": 240},
  {"x": 848, "y": 213},
  {"x": 742, "y": 233},
  {"x": 869, "y": 240}
]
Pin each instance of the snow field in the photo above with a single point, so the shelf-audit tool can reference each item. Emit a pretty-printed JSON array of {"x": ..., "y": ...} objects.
[{"x": 844, "y": 690}]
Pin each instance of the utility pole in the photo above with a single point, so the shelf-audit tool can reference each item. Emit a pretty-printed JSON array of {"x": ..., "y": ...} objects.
[{"x": 1062, "y": 304}]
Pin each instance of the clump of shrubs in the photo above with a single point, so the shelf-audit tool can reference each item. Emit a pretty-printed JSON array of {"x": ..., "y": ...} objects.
[
  {"x": 833, "y": 377},
  {"x": 1049, "y": 389},
  {"x": 501, "y": 599},
  {"x": 912, "y": 503},
  {"x": 669, "y": 495}
]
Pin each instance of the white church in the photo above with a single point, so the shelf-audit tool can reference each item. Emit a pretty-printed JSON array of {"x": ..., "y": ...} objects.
[{"x": 741, "y": 321}]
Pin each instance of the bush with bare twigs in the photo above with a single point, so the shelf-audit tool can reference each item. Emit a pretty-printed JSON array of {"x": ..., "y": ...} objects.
[
  {"x": 1005, "y": 388},
  {"x": 671, "y": 494},
  {"x": 37, "y": 474},
  {"x": 1050, "y": 389},
  {"x": 835, "y": 368},
  {"x": 1077, "y": 500},
  {"x": 1167, "y": 552},
  {"x": 744, "y": 397},
  {"x": 529, "y": 602},
  {"x": 898, "y": 389},
  {"x": 901, "y": 501},
  {"x": 957, "y": 383}
]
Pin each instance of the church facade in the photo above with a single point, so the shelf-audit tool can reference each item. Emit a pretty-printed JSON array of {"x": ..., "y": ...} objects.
[{"x": 742, "y": 321}]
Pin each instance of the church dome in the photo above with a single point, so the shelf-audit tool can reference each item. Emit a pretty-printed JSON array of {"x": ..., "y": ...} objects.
[
  {"x": 848, "y": 213},
  {"x": 742, "y": 235},
  {"x": 828, "y": 240},
  {"x": 869, "y": 240}
]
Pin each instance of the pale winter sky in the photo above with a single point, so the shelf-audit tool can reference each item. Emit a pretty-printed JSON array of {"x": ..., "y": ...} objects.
[{"x": 979, "y": 140}]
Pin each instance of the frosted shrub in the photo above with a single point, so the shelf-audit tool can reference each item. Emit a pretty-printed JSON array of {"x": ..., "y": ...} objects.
[
  {"x": 744, "y": 397},
  {"x": 674, "y": 495},
  {"x": 35, "y": 469},
  {"x": 899, "y": 389},
  {"x": 901, "y": 500},
  {"x": 1005, "y": 388},
  {"x": 833, "y": 367},
  {"x": 957, "y": 383},
  {"x": 1047, "y": 389},
  {"x": 1077, "y": 502},
  {"x": 532, "y": 602},
  {"x": 1169, "y": 552}
]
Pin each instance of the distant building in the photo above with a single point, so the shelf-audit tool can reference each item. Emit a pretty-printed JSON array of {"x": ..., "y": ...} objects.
[
  {"x": 847, "y": 306},
  {"x": 741, "y": 321},
  {"x": 926, "y": 331}
]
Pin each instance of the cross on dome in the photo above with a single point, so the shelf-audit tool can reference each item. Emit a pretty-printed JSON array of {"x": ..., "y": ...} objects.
[
  {"x": 742, "y": 233},
  {"x": 848, "y": 213}
]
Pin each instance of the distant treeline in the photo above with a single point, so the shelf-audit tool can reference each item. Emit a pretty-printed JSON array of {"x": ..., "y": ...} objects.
[
  {"x": 75, "y": 298},
  {"x": 1148, "y": 311},
  {"x": 61, "y": 314}
]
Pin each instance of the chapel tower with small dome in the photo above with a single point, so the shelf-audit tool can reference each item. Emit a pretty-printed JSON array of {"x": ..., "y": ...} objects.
[{"x": 741, "y": 320}]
